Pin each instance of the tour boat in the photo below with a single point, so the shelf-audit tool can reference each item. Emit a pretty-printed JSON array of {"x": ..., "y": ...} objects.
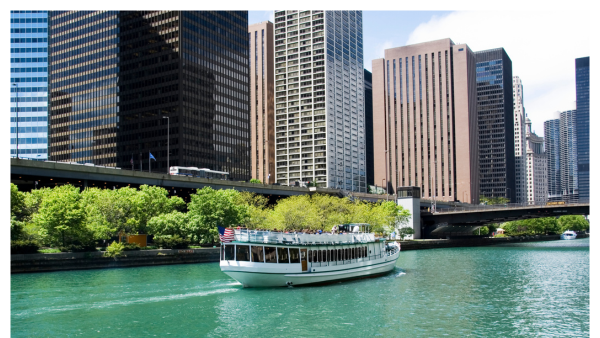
[
  {"x": 267, "y": 258},
  {"x": 568, "y": 235}
]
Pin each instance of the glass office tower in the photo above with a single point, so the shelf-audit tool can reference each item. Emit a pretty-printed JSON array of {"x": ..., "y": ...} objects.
[
  {"x": 552, "y": 147},
  {"x": 582, "y": 83},
  {"x": 123, "y": 82},
  {"x": 319, "y": 107},
  {"x": 369, "y": 127},
  {"x": 569, "y": 175},
  {"x": 496, "y": 124},
  {"x": 29, "y": 84}
]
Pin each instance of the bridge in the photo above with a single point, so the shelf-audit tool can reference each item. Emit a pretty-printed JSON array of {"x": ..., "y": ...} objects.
[
  {"x": 464, "y": 220},
  {"x": 450, "y": 218}
]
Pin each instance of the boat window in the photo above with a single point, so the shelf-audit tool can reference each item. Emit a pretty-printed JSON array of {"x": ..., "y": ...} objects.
[
  {"x": 353, "y": 253},
  {"x": 314, "y": 256},
  {"x": 222, "y": 252},
  {"x": 324, "y": 253},
  {"x": 294, "y": 255},
  {"x": 364, "y": 251},
  {"x": 229, "y": 252},
  {"x": 258, "y": 254},
  {"x": 282, "y": 254},
  {"x": 333, "y": 255},
  {"x": 319, "y": 256},
  {"x": 346, "y": 254},
  {"x": 339, "y": 257},
  {"x": 270, "y": 255},
  {"x": 310, "y": 256},
  {"x": 242, "y": 253}
]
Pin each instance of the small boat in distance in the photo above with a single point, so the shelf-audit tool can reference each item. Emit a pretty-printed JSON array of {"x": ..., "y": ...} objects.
[
  {"x": 267, "y": 258},
  {"x": 568, "y": 235}
]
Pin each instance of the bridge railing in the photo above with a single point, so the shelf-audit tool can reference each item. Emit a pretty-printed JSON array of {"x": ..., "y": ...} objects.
[{"x": 507, "y": 206}]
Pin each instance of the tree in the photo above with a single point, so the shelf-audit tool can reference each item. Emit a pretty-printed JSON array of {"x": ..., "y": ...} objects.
[
  {"x": 572, "y": 222},
  {"x": 217, "y": 207},
  {"x": 172, "y": 224},
  {"x": 294, "y": 213},
  {"x": 258, "y": 212},
  {"x": 61, "y": 218},
  {"x": 17, "y": 201},
  {"x": 404, "y": 231},
  {"x": 493, "y": 200},
  {"x": 255, "y": 180},
  {"x": 150, "y": 201}
]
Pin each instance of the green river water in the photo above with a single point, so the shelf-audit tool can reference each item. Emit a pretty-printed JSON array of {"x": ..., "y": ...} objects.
[{"x": 524, "y": 289}]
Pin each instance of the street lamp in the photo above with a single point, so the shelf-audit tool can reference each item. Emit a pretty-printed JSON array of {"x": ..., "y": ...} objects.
[
  {"x": 17, "y": 120},
  {"x": 168, "y": 127}
]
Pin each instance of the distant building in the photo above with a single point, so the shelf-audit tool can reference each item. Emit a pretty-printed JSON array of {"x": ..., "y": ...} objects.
[
  {"x": 262, "y": 100},
  {"x": 537, "y": 169},
  {"x": 568, "y": 156},
  {"x": 425, "y": 120},
  {"x": 29, "y": 84},
  {"x": 552, "y": 147},
  {"x": 369, "y": 127},
  {"x": 117, "y": 75},
  {"x": 520, "y": 142},
  {"x": 582, "y": 83},
  {"x": 496, "y": 124},
  {"x": 319, "y": 104}
]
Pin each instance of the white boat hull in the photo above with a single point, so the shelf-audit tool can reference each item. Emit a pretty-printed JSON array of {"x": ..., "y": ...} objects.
[{"x": 260, "y": 277}]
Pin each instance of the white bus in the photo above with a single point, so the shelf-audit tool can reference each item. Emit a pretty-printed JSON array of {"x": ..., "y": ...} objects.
[{"x": 202, "y": 173}]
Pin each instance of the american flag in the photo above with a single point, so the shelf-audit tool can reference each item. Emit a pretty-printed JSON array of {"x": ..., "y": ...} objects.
[{"x": 226, "y": 235}]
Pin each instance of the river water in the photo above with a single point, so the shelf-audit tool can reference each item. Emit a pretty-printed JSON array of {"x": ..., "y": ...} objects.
[{"x": 526, "y": 289}]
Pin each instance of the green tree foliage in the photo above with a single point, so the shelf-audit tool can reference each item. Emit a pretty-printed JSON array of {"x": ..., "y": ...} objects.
[
  {"x": 17, "y": 201},
  {"x": 533, "y": 226},
  {"x": 152, "y": 201},
  {"x": 493, "y": 200},
  {"x": 294, "y": 213},
  {"x": 256, "y": 181},
  {"x": 258, "y": 211},
  {"x": 209, "y": 208},
  {"x": 60, "y": 217},
  {"x": 572, "y": 222},
  {"x": 405, "y": 231},
  {"x": 174, "y": 223}
]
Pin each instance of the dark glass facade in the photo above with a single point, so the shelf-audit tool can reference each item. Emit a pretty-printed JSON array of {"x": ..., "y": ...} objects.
[
  {"x": 369, "y": 127},
  {"x": 552, "y": 146},
  {"x": 117, "y": 75},
  {"x": 496, "y": 124},
  {"x": 582, "y": 88}
]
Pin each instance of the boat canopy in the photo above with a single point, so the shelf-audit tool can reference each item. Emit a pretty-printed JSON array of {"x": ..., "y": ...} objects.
[{"x": 295, "y": 238}]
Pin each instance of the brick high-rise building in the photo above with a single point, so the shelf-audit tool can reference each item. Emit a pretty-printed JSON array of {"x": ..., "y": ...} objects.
[
  {"x": 116, "y": 76},
  {"x": 262, "y": 99},
  {"x": 319, "y": 107},
  {"x": 425, "y": 120}
]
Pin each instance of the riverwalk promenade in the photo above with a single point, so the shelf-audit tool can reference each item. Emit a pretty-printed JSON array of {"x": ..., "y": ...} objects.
[{"x": 25, "y": 263}]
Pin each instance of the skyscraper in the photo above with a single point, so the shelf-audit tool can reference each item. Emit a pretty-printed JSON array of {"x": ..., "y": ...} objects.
[
  {"x": 262, "y": 100},
  {"x": 568, "y": 156},
  {"x": 425, "y": 120},
  {"x": 29, "y": 84},
  {"x": 369, "y": 126},
  {"x": 520, "y": 142},
  {"x": 552, "y": 147},
  {"x": 496, "y": 124},
  {"x": 117, "y": 76},
  {"x": 537, "y": 170},
  {"x": 319, "y": 99},
  {"x": 582, "y": 83}
]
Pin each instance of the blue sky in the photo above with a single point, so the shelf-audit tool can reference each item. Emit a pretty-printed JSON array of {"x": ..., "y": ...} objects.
[{"x": 542, "y": 45}]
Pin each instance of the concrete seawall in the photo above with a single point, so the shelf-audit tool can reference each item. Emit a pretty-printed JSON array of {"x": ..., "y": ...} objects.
[
  {"x": 96, "y": 260},
  {"x": 471, "y": 242}
]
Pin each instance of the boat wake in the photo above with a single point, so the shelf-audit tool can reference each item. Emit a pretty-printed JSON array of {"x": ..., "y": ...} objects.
[{"x": 123, "y": 302}]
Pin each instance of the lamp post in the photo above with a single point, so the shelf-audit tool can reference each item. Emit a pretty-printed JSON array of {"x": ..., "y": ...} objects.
[
  {"x": 17, "y": 120},
  {"x": 168, "y": 127}
]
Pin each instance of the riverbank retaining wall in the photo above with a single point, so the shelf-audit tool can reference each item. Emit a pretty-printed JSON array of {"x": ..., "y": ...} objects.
[
  {"x": 96, "y": 260},
  {"x": 470, "y": 242}
]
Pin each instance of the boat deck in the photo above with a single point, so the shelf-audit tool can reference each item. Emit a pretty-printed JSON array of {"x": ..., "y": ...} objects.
[{"x": 295, "y": 238}]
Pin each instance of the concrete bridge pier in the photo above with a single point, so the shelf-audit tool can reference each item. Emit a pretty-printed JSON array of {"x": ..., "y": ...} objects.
[{"x": 409, "y": 198}]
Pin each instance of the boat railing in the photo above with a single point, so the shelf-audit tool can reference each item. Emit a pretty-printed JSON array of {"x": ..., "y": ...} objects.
[{"x": 296, "y": 238}]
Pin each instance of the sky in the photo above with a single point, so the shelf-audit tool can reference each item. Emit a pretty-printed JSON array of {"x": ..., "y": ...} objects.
[{"x": 542, "y": 45}]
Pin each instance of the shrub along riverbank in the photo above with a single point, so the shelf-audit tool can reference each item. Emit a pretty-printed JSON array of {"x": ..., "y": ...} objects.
[{"x": 71, "y": 220}]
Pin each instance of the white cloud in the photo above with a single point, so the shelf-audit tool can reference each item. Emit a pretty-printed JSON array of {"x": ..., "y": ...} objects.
[{"x": 542, "y": 45}]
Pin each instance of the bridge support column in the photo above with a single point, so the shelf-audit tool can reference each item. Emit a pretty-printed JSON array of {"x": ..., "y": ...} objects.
[{"x": 413, "y": 205}]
